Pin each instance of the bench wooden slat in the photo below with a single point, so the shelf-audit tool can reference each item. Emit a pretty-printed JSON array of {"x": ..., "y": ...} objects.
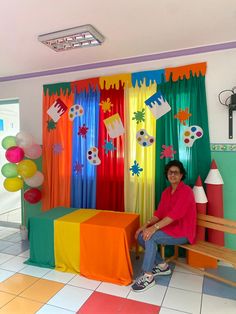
[
  {"x": 214, "y": 226},
  {"x": 218, "y": 220}
]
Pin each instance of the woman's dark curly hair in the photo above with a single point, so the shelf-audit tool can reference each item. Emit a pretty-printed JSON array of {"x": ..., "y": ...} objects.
[{"x": 178, "y": 164}]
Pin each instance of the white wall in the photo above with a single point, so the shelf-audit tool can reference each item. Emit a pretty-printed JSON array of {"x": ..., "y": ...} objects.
[{"x": 221, "y": 74}]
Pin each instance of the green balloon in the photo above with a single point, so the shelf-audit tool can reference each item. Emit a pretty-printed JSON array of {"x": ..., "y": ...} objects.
[
  {"x": 8, "y": 142},
  {"x": 9, "y": 170}
]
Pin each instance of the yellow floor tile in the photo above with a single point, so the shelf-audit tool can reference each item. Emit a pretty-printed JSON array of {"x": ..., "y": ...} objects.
[
  {"x": 42, "y": 290},
  {"x": 17, "y": 283},
  {"x": 21, "y": 306},
  {"x": 5, "y": 298}
]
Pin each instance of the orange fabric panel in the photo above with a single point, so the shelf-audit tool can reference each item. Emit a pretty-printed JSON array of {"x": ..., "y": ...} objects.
[
  {"x": 85, "y": 84},
  {"x": 184, "y": 71},
  {"x": 57, "y": 167},
  {"x": 198, "y": 260},
  {"x": 105, "y": 241}
]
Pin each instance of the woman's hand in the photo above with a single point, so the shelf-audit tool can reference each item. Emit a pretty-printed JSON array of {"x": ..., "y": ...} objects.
[
  {"x": 148, "y": 232},
  {"x": 138, "y": 231}
]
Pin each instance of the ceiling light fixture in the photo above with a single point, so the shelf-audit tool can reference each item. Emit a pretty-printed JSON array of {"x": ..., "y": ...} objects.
[{"x": 71, "y": 38}]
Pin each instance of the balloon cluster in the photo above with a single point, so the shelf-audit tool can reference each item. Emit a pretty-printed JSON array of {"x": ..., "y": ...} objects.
[{"x": 19, "y": 170}]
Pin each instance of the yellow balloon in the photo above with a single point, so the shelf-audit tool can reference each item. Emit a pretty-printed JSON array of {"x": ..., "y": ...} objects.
[
  {"x": 26, "y": 168},
  {"x": 13, "y": 184}
]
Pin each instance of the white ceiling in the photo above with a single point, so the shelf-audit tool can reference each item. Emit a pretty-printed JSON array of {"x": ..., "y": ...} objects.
[{"x": 131, "y": 28}]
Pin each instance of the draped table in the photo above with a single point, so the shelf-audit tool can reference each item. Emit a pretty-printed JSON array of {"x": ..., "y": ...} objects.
[{"x": 91, "y": 242}]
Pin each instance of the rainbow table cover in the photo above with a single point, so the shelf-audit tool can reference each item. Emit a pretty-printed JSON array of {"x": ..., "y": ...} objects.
[{"x": 94, "y": 243}]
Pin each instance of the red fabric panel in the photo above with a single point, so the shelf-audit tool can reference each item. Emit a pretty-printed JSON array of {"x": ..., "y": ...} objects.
[{"x": 110, "y": 173}]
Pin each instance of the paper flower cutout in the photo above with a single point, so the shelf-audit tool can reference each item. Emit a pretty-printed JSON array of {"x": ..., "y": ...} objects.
[
  {"x": 57, "y": 148},
  {"x": 106, "y": 105},
  {"x": 109, "y": 147},
  {"x": 78, "y": 167},
  {"x": 51, "y": 125},
  {"x": 135, "y": 169},
  {"x": 167, "y": 152},
  {"x": 83, "y": 130},
  {"x": 139, "y": 116},
  {"x": 183, "y": 115}
]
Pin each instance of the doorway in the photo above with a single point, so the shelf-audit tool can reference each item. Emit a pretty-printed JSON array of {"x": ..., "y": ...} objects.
[{"x": 10, "y": 202}]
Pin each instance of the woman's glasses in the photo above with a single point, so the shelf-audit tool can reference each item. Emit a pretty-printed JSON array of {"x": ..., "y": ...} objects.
[{"x": 174, "y": 172}]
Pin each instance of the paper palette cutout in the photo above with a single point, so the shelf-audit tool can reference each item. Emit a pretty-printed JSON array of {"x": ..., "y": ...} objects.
[
  {"x": 144, "y": 139},
  {"x": 191, "y": 134}
]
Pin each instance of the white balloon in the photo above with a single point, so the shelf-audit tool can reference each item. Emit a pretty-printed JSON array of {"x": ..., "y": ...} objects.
[
  {"x": 36, "y": 180},
  {"x": 24, "y": 139}
]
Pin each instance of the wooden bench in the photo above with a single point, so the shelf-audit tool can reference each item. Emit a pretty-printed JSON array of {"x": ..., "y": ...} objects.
[{"x": 215, "y": 251}]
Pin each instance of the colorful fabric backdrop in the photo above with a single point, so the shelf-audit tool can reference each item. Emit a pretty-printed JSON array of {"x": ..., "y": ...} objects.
[{"x": 106, "y": 140}]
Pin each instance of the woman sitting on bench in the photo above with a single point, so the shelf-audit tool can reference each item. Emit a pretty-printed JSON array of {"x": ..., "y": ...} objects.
[{"x": 174, "y": 222}]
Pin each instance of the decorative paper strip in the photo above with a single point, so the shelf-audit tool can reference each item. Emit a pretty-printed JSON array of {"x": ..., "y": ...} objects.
[
  {"x": 57, "y": 89},
  {"x": 79, "y": 86},
  {"x": 114, "y": 81},
  {"x": 158, "y": 105},
  {"x": 114, "y": 126},
  {"x": 185, "y": 71},
  {"x": 147, "y": 77},
  {"x": 223, "y": 147}
]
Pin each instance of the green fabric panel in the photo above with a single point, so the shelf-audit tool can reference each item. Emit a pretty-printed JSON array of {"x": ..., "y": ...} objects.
[
  {"x": 227, "y": 167},
  {"x": 186, "y": 93},
  {"x": 55, "y": 89},
  {"x": 41, "y": 237}
]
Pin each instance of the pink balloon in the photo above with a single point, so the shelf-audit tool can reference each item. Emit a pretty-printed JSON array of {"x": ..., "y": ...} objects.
[
  {"x": 14, "y": 154},
  {"x": 33, "y": 151}
]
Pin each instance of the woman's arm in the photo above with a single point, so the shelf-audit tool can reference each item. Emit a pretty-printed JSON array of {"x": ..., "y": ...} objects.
[
  {"x": 148, "y": 224},
  {"x": 148, "y": 232}
]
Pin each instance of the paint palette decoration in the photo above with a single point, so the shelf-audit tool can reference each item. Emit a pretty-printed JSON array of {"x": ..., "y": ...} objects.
[
  {"x": 75, "y": 111},
  {"x": 114, "y": 126},
  {"x": 57, "y": 109},
  {"x": 144, "y": 139},
  {"x": 92, "y": 156},
  {"x": 191, "y": 134},
  {"x": 158, "y": 105}
]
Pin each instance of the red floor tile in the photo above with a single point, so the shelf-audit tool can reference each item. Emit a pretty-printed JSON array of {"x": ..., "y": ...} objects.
[{"x": 101, "y": 303}]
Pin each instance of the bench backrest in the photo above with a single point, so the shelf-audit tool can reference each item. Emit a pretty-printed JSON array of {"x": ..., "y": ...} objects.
[{"x": 216, "y": 223}]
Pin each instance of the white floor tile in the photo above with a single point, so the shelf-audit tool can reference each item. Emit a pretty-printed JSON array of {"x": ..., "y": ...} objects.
[
  {"x": 216, "y": 305},
  {"x": 14, "y": 264},
  {"x": 25, "y": 254},
  {"x": 5, "y": 274},
  {"x": 59, "y": 276},
  {"x": 70, "y": 298},
  {"x": 153, "y": 295},
  {"x": 182, "y": 300},
  {"x": 164, "y": 310},
  {"x": 5, "y": 257},
  {"x": 34, "y": 271},
  {"x": 80, "y": 281},
  {"x": 186, "y": 282},
  {"x": 49, "y": 309},
  {"x": 110, "y": 288}
]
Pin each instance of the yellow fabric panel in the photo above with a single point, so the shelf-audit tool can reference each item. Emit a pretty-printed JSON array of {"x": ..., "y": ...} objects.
[
  {"x": 139, "y": 190},
  {"x": 67, "y": 239},
  {"x": 114, "y": 81}
]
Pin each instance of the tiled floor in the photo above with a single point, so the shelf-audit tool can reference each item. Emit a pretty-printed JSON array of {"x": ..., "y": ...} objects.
[{"x": 29, "y": 289}]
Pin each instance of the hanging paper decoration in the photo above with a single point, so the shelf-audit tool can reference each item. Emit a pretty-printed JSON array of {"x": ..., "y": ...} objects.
[
  {"x": 191, "y": 134},
  {"x": 144, "y": 139},
  {"x": 139, "y": 116},
  {"x": 114, "y": 81},
  {"x": 75, "y": 111},
  {"x": 106, "y": 105},
  {"x": 148, "y": 77},
  {"x": 158, "y": 105},
  {"x": 57, "y": 148},
  {"x": 92, "y": 156},
  {"x": 135, "y": 169},
  {"x": 83, "y": 130},
  {"x": 114, "y": 126},
  {"x": 51, "y": 125},
  {"x": 78, "y": 167},
  {"x": 57, "y": 109},
  {"x": 183, "y": 115},
  {"x": 109, "y": 147},
  {"x": 167, "y": 152}
]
